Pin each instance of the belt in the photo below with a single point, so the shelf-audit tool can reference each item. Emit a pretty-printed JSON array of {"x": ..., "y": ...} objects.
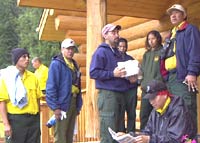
[
  {"x": 25, "y": 115},
  {"x": 74, "y": 95}
]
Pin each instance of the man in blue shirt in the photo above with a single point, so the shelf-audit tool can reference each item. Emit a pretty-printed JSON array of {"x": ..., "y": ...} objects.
[{"x": 110, "y": 80}]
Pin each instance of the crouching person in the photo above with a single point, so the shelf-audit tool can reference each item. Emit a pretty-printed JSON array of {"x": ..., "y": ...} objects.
[{"x": 170, "y": 119}]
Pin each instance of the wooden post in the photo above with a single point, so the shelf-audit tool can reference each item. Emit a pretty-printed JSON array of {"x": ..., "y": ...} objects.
[
  {"x": 44, "y": 117},
  {"x": 96, "y": 19}
]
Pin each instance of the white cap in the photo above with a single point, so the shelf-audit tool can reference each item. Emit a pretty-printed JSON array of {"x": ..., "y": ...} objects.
[
  {"x": 177, "y": 7},
  {"x": 68, "y": 43}
]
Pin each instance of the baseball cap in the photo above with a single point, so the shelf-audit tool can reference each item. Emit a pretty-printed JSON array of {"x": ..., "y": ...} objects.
[
  {"x": 153, "y": 87},
  {"x": 177, "y": 7},
  {"x": 109, "y": 27},
  {"x": 68, "y": 43}
]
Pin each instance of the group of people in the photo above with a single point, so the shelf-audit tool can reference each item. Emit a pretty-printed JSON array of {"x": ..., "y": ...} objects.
[
  {"x": 169, "y": 83},
  {"x": 169, "y": 87},
  {"x": 21, "y": 91}
]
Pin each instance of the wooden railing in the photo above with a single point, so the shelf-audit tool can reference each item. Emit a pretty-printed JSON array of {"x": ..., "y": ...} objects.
[{"x": 47, "y": 133}]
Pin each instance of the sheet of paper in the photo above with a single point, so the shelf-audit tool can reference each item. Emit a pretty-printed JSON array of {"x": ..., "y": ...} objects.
[
  {"x": 125, "y": 138},
  {"x": 131, "y": 67}
]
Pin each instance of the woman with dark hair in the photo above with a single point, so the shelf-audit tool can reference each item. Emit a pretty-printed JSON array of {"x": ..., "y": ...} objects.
[{"x": 150, "y": 69}]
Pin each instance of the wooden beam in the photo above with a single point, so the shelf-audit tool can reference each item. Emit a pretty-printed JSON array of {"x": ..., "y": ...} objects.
[
  {"x": 142, "y": 29},
  {"x": 78, "y": 39},
  {"x": 70, "y": 22},
  {"x": 143, "y": 8},
  {"x": 127, "y": 22},
  {"x": 137, "y": 54},
  {"x": 81, "y": 59},
  {"x": 76, "y": 32},
  {"x": 74, "y": 5},
  {"x": 82, "y": 48},
  {"x": 56, "y": 12},
  {"x": 96, "y": 17}
]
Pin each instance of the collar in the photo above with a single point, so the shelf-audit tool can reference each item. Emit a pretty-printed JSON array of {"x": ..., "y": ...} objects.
[
  {"x": 181, "y": 26},
  {"x": 162, "y": 111},
  {"x": 69, "y": 63}
]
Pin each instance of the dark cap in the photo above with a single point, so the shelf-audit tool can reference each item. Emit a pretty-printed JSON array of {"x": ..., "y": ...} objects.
[
  {"x": 153, "y": 87},
  {"x": 17, "y": 53}
]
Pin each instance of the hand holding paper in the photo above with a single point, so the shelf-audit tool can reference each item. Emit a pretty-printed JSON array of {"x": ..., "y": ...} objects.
[
  {"x": 131, "y": 67},
  {"x": 121, "y": 138}
]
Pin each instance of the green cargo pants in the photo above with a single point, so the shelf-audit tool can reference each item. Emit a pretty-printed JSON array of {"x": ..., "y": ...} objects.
[
  {"x": 145, "y": 110},
  {"x": 180, "y": 89},
  {"x": 130, "y": 98},
  {"x": 64, "y": 129},
  {"x": 110, "y": 106}
]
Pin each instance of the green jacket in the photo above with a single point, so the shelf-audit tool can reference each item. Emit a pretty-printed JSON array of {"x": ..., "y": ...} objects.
[{"x": 151, "y": 66}]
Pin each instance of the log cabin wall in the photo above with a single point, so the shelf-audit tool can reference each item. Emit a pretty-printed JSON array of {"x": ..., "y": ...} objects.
[{"x": 63, "y": 21}]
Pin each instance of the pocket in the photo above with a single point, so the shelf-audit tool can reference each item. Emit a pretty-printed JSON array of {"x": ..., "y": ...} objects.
[{"x": 31, "y": 90}]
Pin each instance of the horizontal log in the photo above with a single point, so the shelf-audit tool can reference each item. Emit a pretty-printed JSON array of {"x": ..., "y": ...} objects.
[
  {"x": 113, "y": 18},
  {"x": 70, "y": 22},
  {"x": 80, "y": 59},
  {"x": 56, "y": 12},
  {"x": 76, "y": 33},
  {"x": 193, "y": 10},
  {"x": 137, "y": 54},
  {"x": 127, "y": 22},
  {"x": 82, "y": 49},
  {"x": 148, "y": 9},
  {"x": 77, "y": 39},
  {"x": 141, "y": 30}
]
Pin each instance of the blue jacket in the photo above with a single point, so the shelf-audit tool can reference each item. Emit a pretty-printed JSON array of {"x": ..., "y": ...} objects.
[
  {"x": 104, "y": 61},
  {"x": 187, "y": 51},
  {"x": 172, "y": 125},
  {"x": 59, "y": 84}
]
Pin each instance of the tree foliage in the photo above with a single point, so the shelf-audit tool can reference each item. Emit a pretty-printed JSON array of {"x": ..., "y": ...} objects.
[
  {"x": 18, "y": 29},
  {"x": 8, "y": 35}
]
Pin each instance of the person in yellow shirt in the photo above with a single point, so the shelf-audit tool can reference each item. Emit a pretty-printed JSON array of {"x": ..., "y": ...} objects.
[
  {"x": 19, "y": 100},
  {"x": 41, "y": 72}
]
